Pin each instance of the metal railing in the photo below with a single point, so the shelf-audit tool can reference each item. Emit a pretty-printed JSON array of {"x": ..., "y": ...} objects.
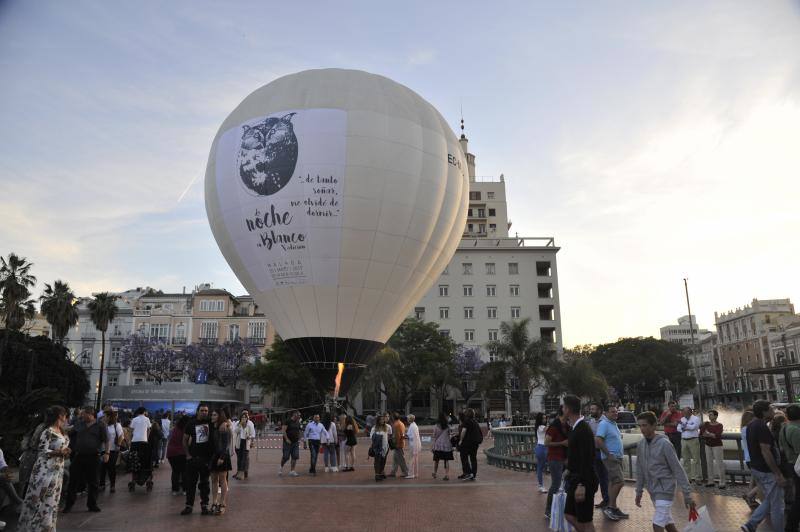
[{"x": 514, "y": 449}]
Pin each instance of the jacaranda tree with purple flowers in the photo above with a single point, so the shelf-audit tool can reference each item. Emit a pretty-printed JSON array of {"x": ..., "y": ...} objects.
[
  {"x": 222, "y": 364},
  {"x": 154, "y": 359}
]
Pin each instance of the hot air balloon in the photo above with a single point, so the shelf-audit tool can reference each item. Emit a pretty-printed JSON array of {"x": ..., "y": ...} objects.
[{"x": 337, "y": 197}]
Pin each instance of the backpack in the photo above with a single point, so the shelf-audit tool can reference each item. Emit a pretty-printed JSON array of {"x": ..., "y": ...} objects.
[{"x": 376, "y": 448}]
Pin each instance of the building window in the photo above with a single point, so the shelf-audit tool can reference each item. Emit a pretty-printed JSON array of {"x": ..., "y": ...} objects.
[
  {"x": 492, "y": 335},
  {"x": 116, "y": 351},
  {"x": 445, "y": 332},
  {"x": 470, "y": 228},
  {"x": 513, "y": 268},
  {"x": 490, "y": 268},
  {"x": 208, "y": 329},
  {"x": 444, "y": 313},
  {"x": 256, "y": 329},
  {"x": 547, "y": 313},
  {"x": 468, "y": 313},
  {"x": 209, "y": 305},
  {"x": 233, "y": 332},
  {"x": 86, "y": 358},
  {"x": 513, "y": 290},
  {"x": 474, "y": 195},
  {"x": 546, "y": 292},
  {"x": 492, "y": 227},
  {"x": 112, "y": 381},
  {"x": 491, "y": 313},
  {"x": 467, "y": 266},
  {"x": 490, "y": 195},
  {"x": 419, "y": 313},
  {"x": 481, "y": 213},
  {"x": 482, "y": 229},
  {"x": 543, "y": 269},
  {"x": 491, "y": 290},
  {"x": 492, "y": 212},
  {"x": 515, "y": 312},
  {"x": 493, "y": 355},
  {"x": 443, "y": 290},
  {"x": 469, "y": 335},
  {"x": 160, "y": 332},
  {"x": 467, "y": 290},
  {"x": 469, "y": 213}
]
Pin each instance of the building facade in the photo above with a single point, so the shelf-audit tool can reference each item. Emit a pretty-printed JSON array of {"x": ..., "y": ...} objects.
[
  {"x": 204, "y": 316},
  {"x": 682, "y": 332},
  {"x": 744, "y": 343},
  {"x": 494, "y": 277}
]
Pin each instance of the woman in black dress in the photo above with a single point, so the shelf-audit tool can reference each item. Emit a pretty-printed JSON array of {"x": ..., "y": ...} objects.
[
  {"x": 221, "y": 431},
  {"x": 350, "y": 442}
]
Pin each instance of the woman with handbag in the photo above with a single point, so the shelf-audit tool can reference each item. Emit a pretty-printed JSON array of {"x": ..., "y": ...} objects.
[
  {"x": 350, "y": 441},
  {"x": 116, "y": 438},
  {"x": 379, "y": 447},
  {"x": 442, "y": 446}
]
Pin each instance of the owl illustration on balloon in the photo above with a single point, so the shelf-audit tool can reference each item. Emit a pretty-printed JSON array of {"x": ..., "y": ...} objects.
[{"x": 268, "y": 154}]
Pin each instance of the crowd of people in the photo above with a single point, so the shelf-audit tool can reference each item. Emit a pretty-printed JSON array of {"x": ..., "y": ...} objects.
[{"x": 581, "y": 451}]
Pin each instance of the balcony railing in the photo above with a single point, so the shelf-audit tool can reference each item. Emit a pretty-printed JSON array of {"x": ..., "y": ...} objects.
[
  {"x": 209, "y": 341},
  {"x": 255, "y": 341},
  {"x": 179, "y": 340}
]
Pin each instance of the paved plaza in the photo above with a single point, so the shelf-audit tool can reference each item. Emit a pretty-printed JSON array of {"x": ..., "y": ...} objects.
[{"x": 499, "y": 500}]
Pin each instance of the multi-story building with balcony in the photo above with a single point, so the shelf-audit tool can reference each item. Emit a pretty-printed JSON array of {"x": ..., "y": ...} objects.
[
  {"x": 492, "y": 278},
  {"x": 744, "y": 337},
  {"x": 685, "y": 332}
]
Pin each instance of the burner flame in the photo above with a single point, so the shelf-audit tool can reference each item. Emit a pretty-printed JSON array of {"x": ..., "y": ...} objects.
[{"x": 338, "y": 380}]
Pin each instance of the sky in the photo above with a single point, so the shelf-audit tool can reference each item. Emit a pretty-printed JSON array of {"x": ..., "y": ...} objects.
[{"x": 653, "y": 141}]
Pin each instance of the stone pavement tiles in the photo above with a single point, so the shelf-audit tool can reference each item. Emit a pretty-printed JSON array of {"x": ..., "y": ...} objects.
[{"x": 499, "y": 500}]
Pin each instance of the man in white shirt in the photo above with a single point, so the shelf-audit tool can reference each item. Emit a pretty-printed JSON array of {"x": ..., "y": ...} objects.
[
  {"x": 689, "y": 427},
  {"x": 312, "y": 437},
  {"x": 166, "y": 424},
  {"x": 140, "y": 425}
]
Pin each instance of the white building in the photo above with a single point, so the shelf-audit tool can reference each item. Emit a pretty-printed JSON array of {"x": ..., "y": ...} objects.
[
  {"x": 494, "y": 278},
  {"x": 682, "y": 332}
]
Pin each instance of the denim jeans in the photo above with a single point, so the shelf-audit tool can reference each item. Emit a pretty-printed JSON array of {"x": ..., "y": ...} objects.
[
  {"x": 772, "y": 504},
  {"x": 313, "y": 447},
  {"x": 329, "y": 454},
  {"x": 556, "y": 470},
  {"x": 602, "y": 476},
  {"x": 541, "y": 461}
]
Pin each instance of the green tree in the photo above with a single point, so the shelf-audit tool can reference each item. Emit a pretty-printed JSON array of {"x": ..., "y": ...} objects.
[
  {"x": 36, "y": 374},
  {"x": 16, "y": 280},
  {"x": 645, "y": 365},
  {"x": 379, "y": 378},
  {"x": 575, "y": 374},
  {"x": 425, "y": 357},
  {"x": 282, "y": 374},
  {"x": 102, "y": 311},
  {"x": 523, "y": 358},
  {"x": 60, "y": 308}
]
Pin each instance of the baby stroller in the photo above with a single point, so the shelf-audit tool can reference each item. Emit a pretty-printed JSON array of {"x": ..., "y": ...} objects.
[{"x": 140, "y": 465}]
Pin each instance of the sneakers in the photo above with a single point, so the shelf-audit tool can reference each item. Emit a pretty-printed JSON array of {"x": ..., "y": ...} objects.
[
  {"x": 601, "y": 504},
  {"x": 542, "y": 489},
  {"x": 747, "y": 528},
  {"x": 410, "y": 477},
  {"x": 469, "y": 477},
  {"x": 280, "y": 471},
  {"x": 610, "y": 514},
  {"x": 327, "y": 469},
  {"x": 619, "y": 513},
  {"x": 335, "y": 469},
  {"x": 294, "y": 474}
]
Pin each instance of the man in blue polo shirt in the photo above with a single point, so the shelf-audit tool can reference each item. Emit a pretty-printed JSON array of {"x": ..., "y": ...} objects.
[{"x": 609, "y": 440}]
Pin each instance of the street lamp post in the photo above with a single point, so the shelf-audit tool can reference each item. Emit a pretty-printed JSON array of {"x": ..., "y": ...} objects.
[{"x": 691, "y": 335}]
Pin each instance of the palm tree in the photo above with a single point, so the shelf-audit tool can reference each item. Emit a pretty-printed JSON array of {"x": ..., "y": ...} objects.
[
  {"x": 60, "y": 308},
  {"x": 15, "y": 284},
  {"x": 523, "y": 358},
  {"x": 102, "y": 310}
]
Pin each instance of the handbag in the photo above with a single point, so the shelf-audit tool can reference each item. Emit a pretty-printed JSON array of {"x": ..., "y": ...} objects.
[
  {"x": 699, "y": 521},
  {"x": 558, "y": 521}
]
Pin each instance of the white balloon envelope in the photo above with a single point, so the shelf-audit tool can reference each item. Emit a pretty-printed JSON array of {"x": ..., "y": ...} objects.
[{"x": 337, "y": 197}]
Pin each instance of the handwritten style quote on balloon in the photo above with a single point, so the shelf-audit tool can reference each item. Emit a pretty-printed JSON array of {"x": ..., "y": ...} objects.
[{"x": 279, "y": 177}]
